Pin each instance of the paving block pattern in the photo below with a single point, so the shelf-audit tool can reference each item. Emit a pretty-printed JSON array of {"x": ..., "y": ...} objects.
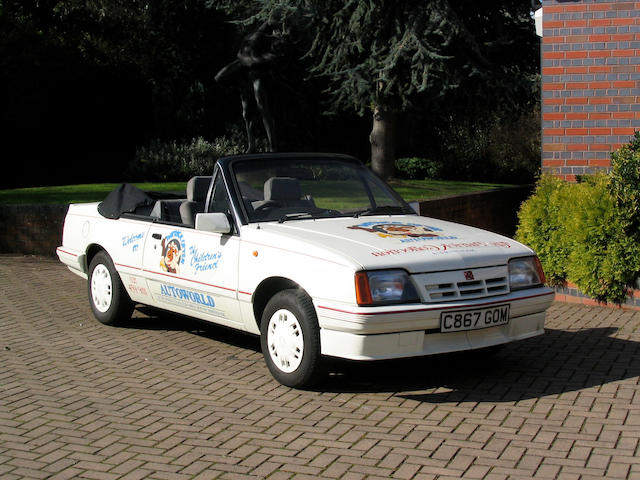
[{"x": 170, "y": 398}]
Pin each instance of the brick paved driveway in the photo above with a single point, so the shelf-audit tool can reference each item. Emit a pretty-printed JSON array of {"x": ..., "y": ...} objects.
[{"x": 169, "y": 398}]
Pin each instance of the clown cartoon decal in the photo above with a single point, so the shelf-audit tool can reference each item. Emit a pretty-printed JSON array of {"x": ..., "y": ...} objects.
[{"x": 172, "y": 252}]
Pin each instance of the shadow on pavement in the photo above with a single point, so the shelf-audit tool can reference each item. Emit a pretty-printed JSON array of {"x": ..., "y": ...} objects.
[
  {"x": 157, "y": 319},
  {"x": 559, "y": 361}
]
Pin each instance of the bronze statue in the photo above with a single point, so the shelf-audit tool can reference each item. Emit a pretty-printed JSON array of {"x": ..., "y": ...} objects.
[{"x": 249, "y": 73}]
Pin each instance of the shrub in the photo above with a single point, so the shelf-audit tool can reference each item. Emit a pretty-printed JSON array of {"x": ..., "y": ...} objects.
[
  {"x": 542, "y": 226},
  {"x": 603, "y": 259},
  {"x": 588, "y": 233},
  {"x": 499, "y": 147},
  {"x": 418, "y": 168},
  {"x": 625, "y": 182},
  {"x": 162, "y": 161}
]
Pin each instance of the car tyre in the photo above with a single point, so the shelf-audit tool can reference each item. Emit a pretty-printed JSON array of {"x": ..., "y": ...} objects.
[
  {"x": 108, "y": 298},
  {"x": 290, "y": 339}
]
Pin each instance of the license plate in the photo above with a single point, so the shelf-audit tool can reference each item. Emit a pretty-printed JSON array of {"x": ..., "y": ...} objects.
[{"x": 460, "y": 320}]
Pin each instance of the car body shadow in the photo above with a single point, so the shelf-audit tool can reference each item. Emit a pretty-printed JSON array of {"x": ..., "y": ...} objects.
[
  {"x": 150, "y": 318},
  {"x": 551, "y": 364},
  {"x": 557, "y": 362}
]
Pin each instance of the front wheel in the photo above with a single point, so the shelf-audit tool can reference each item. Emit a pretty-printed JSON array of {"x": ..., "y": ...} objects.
[
  {"x": 290, "y": 339},
  {"x": 109, "y": 300}
]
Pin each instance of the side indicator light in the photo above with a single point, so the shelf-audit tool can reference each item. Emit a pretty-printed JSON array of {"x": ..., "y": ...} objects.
[{"x": 363, "y": 292}]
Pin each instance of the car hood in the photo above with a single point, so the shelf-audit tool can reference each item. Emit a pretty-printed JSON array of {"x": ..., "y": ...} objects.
[{"x": 417, "y": 244}]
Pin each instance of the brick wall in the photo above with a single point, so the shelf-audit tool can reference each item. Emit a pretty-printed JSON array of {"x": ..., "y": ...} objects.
[
  {"x": 590, "y": 83},
  {"x": 31, "y": 229},
  {"x": 496, "y": 210}
]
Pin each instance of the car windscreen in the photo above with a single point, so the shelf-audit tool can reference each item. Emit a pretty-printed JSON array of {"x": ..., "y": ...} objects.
[{"x": 289, "y": 189}]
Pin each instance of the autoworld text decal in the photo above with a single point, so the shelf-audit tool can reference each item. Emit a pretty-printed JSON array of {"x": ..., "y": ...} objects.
[
  {"x": 187, "y": 295},
  {"x": 186, "y": 298}
]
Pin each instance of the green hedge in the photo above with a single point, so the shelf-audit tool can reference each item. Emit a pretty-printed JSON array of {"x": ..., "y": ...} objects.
[
  {"x": 416, "y": 168},
  {"x": 588, "y": 232},
  {"x": 172, "y": 160}
]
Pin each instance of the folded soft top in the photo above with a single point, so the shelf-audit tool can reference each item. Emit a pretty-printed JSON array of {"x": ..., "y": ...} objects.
[{"x": 127, "y": 198}]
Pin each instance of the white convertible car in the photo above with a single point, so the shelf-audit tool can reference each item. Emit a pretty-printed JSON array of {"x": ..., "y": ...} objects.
[{"x": 315, "y": 254}]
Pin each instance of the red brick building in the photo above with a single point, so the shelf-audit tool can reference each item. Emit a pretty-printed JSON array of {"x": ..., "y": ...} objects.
[{"x": 590, "y": 83}]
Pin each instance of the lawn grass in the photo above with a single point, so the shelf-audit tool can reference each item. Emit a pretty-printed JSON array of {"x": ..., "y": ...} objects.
[
  {"x": 77, "y": 193},
  {"x": 410, "y": 190}
]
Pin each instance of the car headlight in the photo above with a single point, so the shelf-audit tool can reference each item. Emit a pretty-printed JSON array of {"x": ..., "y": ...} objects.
[
  {"x": 384, "y": 287},
  {"x": 525, "y": 272}
]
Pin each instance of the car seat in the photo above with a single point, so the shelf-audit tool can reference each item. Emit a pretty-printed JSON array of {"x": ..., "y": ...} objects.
[
  {"x": 285, "y": 192},
  {"x": 197, "y": 190}
]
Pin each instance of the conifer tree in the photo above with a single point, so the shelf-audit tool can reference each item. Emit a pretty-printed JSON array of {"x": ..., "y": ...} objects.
[{"x": 380, "y": 57}]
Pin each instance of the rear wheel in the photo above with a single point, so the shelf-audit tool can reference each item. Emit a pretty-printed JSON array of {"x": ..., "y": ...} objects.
[
  {"x": 290, "y": 339},
  {"x": 109, "y": 300}
]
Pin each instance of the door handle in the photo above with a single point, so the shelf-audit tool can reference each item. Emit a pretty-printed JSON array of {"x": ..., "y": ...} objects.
[{"x": 156, "y": 236}]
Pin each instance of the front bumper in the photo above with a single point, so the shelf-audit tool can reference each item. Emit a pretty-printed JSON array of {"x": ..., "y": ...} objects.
[{"x": 406, "y": 331}]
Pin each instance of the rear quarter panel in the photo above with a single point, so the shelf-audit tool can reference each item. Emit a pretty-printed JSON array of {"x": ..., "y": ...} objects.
[{"x": 122, "y": 239}]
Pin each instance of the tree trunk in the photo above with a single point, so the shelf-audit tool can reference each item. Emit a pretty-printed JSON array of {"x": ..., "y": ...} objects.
[{"x": 383, "y": 142}]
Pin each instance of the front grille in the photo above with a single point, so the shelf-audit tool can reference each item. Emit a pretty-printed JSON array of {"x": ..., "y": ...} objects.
[
  {"x": 453, "y": 285},
  {"x": 467, "y": 289}
]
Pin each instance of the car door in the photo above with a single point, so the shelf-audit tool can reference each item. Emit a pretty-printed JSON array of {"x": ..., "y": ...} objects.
[{"x": 195, "y": 272}]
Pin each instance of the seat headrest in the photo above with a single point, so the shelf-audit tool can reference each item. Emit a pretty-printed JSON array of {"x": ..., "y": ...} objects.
[
  {"x": 282, "y": 188},
  {"x": 197, "y": 188}
]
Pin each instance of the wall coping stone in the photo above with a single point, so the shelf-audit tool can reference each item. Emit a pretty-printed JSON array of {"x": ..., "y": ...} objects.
[{"x": 570, "y": 293}]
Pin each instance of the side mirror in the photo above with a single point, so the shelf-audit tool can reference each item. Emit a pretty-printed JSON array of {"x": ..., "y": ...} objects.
[{"x": 216, "y": 222}]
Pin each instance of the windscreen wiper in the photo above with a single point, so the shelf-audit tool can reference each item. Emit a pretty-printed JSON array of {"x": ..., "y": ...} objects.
[{"x": 295, "y": 216}]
